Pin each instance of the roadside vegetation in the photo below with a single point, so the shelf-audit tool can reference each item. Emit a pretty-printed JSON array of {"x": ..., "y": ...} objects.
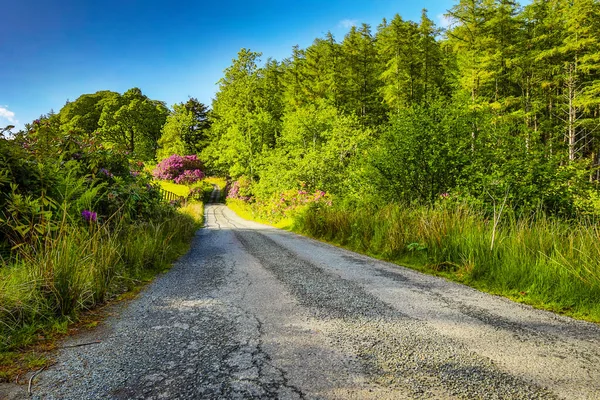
[
  {"x": 81, "y": 223},
  {"x": 534, "y": 259}
]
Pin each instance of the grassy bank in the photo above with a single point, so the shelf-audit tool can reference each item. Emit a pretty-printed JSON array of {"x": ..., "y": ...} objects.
[
  {"x": 179, "y": 190},
  {"x": 248, "y": 211},
  {"x": 200, "y": 190},
  {"x": 77, "y": 268},
  {"x": 541, "y": 261}
]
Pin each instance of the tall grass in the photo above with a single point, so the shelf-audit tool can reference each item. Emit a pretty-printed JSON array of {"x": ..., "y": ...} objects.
[
  {"x": 74, "y": 268},
  {"x": 539, "y": 260}
]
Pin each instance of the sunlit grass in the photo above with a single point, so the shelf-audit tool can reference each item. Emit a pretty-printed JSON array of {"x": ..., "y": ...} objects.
[
  {"x": 76, "y": 268},
  {"x": 195, "y": 210},
  {"x": 216, "y": 180},
  {"x": 540, "y": 261},
  {"x": 246, "y": 211},
  {"x": 180, "y": 190}
]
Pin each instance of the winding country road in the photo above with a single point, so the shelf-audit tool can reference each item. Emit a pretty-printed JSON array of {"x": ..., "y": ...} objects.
[{"x": 255, "y": 312}]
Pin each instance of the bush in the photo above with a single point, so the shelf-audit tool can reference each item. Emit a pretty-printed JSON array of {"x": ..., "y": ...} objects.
[{"x": 179, "y": 169}]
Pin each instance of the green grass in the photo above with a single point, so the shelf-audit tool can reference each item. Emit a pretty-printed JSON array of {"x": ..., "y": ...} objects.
[
  {"x": 541, "y": 261},
  {"x": 249, "y": 212},
  {"x": 216, "y": 180},
  {"x": 77, "y": 268},
  {"x": 194, "y": 209},
  {"x": 180, "y": 190},
  {"x": 205, "y": 184}
]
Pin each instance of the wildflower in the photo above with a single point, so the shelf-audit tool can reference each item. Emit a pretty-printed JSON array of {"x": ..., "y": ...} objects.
[
  {"x": 89, "y": 216},
  {"x": 106, "y": 172},
  {"x": 444, "y": 195}
]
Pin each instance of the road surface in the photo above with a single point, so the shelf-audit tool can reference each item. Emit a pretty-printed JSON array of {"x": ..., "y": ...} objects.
[{"x": 252, "y": 312}]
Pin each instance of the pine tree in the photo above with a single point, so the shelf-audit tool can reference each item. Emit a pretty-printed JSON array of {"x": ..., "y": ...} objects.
[
  {"x": 397, "y": 48},
  {"x": 360, "y": 87}
]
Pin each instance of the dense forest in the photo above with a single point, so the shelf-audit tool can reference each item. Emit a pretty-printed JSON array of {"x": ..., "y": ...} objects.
[
  {"x": 504, "y": 103},
  {"x": 471, "y": 151}
]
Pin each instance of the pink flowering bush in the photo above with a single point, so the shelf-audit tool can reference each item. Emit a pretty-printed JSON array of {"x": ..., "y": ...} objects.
[
  {"x": 291, "y": 201},
  {"x": 179, "y": 169},
  {"x": 286, "y": 204},
  {"x": 189, "y": 176},
  {"x": 239, "y": 191}
]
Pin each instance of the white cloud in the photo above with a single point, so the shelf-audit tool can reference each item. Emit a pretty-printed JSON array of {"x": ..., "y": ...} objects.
[
  {"x": 348, "y": 23},
  {"x": 444, "y": 21},
  {"x": 6, "y": 114}
]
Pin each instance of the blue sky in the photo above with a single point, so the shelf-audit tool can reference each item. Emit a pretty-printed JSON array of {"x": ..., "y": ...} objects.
[{"x": 51, "y": 51}]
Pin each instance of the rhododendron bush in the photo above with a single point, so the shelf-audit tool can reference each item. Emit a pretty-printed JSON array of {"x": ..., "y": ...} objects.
[
  {"x": 179, "y": 169},
  {"x": 281, "y": 205},
  {"x": 294, "y": 200}
]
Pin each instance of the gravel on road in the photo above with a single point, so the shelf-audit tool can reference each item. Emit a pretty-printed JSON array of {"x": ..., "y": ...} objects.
[{"x": 253, "y": 312}]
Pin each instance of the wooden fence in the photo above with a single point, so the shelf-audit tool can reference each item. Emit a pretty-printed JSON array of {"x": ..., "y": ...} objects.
[{"x": 170, "y": 196}]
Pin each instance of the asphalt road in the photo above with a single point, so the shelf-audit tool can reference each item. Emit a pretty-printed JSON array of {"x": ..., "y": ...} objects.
[{"x": 253, "y": 312}]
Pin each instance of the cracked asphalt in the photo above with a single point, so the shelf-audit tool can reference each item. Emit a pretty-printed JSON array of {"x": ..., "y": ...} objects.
[{"x": 252, "y": 312}]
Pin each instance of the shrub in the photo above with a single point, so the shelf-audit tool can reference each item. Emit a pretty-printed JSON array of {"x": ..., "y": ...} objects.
[
  {"x": 240, "y": 190},
  {"x": 189, "y": 176},
  {"x": 179, "y": 169}
]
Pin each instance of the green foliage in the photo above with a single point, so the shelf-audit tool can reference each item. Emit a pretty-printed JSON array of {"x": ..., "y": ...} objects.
[
  {"x": 420, "y": 155},
  {"x": 244, "y": 118},
  {"x": 171, "y": 141},
  {"x": 83, "y": 115},
  {"x": 185, "y": 131},
  {"x": 473, "y": 150},
  {"x": 133, "y": 122}
]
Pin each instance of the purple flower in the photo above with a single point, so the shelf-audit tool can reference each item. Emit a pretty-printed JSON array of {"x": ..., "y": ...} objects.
[
  {"x": 106, "y": 172},
  {"x": 89, "y": 216}
]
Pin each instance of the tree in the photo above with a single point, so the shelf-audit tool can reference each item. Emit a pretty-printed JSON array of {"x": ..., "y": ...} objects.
[
  {"x": 238, "y": 119},
  {"x": 195, "y": 138},
  {"x": 83, "y": 115},
  {"x": 397, "y": 45},
  {"x": 133, "y": 122},
  {"x": 178, "y": 125},
  {"x": 360, "y": 87}
]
